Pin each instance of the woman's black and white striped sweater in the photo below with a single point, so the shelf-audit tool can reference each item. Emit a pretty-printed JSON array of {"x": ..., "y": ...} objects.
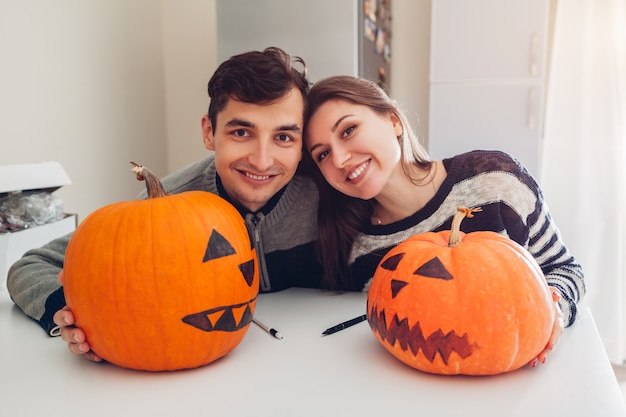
[{"x": 512, "y": 205}]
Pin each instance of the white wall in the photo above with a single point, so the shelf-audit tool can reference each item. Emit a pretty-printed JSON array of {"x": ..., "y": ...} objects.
[
  {"x": 84, "y": 83},
  {"x": 190, "y": 58},
  {"x": 410, "y": 61}
]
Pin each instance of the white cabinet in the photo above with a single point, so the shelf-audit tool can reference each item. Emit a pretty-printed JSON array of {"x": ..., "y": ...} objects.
[{"x": 487, "y": 72}]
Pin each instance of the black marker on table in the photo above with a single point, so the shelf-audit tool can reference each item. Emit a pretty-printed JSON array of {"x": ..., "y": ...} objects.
[
  {"x": 273, "y": 332},
  {"x": 344, "y": 325}
]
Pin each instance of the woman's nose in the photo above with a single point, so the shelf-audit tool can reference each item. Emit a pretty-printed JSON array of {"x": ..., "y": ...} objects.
[{"x": 340, "y": 157}]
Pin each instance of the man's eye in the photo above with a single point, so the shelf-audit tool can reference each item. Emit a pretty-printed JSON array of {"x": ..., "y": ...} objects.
[
  {"x": 284, "y": 138},
  {"x": 240, "y": 132}
]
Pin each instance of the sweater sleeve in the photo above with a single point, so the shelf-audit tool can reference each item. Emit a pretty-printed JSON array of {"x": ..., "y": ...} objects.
[
  {"x": 33, "y": 283},
  {"x": 527, "y": 220},
  {"x": 559, "y": 267}
]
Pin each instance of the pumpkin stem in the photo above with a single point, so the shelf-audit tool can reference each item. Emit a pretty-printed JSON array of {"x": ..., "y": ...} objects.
[
  {"x": 153, "y": 185},
  {"x": 455, "y": 229}
]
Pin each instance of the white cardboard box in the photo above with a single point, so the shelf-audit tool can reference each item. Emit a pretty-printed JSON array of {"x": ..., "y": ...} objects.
[{"x": 48, "y": 176}]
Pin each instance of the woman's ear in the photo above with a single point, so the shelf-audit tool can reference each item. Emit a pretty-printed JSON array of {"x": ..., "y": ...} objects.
[
  {"x": 397, "y": 124},
  {"x": 207, "y": 133}
]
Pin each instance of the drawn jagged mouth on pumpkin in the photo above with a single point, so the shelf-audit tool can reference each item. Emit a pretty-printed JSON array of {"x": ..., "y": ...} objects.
[
  {"x": 412, "y": 337},
  {"x": 222, "y": 318}
]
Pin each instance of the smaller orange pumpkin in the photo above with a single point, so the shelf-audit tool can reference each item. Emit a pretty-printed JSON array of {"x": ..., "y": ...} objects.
[
  {"x": 455, "y": 303},
  {"x": 165, "y": 283}
]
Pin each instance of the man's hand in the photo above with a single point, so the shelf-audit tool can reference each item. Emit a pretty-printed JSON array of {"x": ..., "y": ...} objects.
[
  {"x": 75, "y": 337},
  {"x": 557, "y": 329}
]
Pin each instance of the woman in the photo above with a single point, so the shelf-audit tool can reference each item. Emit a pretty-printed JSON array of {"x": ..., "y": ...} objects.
[{"x": 380, "y": 187}]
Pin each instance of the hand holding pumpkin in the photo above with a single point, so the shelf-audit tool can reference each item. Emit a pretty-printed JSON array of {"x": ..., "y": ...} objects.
[
  {"x": 557, "y": 329},
  {"x": 74, "y": 336}
]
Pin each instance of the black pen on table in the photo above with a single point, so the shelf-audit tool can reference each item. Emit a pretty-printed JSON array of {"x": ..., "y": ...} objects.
[
  {"x": 269, "y": 330},
  {"x": 344, "y": 325}
]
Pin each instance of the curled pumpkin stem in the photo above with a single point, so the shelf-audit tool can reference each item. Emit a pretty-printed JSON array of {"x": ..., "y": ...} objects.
[
  {"x": 455, "y": 229},
  {"x": 153, "y": 184}
]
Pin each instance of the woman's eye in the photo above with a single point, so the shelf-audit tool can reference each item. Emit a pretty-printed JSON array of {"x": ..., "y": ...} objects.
[
  {"x": 321, "y": 156},
  {"x": 348, "y": 131}
]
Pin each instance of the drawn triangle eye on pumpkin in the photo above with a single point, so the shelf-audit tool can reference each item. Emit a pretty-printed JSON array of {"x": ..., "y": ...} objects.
[
  {"x": 391, "y": 263},
  {"x": 396, "y": 286},
  {"x": 247, "y": 270},
  {"x": 217, "y": 247},
  {"x": 434, "y": 269}
]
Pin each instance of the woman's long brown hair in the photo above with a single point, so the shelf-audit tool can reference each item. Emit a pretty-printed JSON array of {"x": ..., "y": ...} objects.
[{"x": 340, "y": 217}]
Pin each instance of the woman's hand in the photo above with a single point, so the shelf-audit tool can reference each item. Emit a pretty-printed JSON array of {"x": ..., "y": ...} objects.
[
  {"x": 557, "y": 329},
  {"x": 74, "y": 336}
]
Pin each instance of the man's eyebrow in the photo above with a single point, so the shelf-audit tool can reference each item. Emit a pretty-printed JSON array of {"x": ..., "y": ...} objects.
[
  {"x": 239, "y": 122},
  {"x": 244, "y": 123},
  {"x": 293, "y": 127}
]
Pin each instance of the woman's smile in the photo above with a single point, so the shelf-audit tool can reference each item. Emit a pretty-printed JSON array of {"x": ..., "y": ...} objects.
[{"x": 358, "y": 171}]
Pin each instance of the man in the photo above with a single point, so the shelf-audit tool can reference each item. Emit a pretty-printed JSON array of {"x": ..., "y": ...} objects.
[{"x": 254, "y": 126}]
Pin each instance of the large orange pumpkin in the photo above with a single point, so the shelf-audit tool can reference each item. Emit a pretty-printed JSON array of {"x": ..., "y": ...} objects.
[
  {"x": 455, "y": 303},
  {"x": 165, "y": 283}
]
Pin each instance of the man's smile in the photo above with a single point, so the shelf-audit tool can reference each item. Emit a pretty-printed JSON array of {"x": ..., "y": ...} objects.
[{"x": 256, "y": 177}]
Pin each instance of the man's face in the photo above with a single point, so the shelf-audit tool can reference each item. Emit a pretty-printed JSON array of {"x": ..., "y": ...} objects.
[{"x": 257, "y": 147}]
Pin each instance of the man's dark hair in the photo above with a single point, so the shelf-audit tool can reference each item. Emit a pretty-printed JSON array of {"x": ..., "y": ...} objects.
[{"x": 257, "y": 77}]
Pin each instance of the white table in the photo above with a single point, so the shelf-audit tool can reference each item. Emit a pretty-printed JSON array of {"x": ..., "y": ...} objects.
[{"x": 345, "y": 374}]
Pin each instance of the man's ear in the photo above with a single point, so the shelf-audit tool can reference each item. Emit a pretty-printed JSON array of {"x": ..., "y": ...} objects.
[{"x": 207, "y": 133}]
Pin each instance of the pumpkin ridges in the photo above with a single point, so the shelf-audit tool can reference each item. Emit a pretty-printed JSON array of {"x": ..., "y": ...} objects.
[
  {"x": 154, "y": 213},
  {"x": 506, "y": 323},
  {"x": 123, "y": 283},
  {"x": 142, "y": 335},
  {"x": 516, "y": 300},
  {"x": 126, "y": 268},
  {"x": 91, "y": 252},
  {"x": 122, "y": 270},
  {"x": 195, "y": 257},
  {"x": 190, "y": 207}
]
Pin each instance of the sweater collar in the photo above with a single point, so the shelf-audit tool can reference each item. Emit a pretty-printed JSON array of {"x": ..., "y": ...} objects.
[{"x": 265, "y": 210}]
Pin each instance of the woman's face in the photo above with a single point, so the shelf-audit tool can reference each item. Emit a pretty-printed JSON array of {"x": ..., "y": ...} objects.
[{"x": 355, "y": 148}]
